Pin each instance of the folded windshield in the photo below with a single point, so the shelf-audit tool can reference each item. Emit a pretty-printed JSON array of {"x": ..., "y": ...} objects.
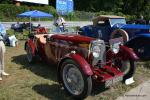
[{"x": 62, "y": 31}]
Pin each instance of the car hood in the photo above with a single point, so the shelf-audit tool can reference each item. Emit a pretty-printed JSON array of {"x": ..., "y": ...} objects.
[
  {"x": 131, "y": 26},
  {"x": 73, "y": 38}
]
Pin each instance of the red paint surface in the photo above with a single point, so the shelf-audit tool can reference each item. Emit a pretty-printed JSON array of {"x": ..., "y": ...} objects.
[
  {"x": 107, "y": 73},
  {"x": 86, "y": 68},
  {"x": 73, "y": 38},
  {"x": 128, "y": 53},
  {"x": 32, "y": 45},
  {"x": 125, "y": 53}
]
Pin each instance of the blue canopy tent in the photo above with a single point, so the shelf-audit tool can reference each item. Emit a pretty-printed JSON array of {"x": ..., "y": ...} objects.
[{"x": 35, "y": 14}]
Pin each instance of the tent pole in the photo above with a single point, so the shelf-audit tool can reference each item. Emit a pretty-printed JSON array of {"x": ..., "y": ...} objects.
[{"x": 39, "y": 19}]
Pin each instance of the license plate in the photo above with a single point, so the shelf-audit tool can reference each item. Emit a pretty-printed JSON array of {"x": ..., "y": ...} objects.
[{"x": 113, "y": 81}]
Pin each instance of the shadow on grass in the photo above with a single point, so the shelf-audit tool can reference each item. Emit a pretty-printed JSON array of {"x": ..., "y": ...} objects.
[
  {"x": 49, "y": 72},
  {"x": 98, "y": 88},
  {"x": 39, "y": 68},
  {"x": 52, "y": 92}
]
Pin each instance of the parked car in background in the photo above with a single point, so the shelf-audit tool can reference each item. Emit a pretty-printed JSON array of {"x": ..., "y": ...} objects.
[
  {"x": 107, "y": 27},
  {"x": 82, "y": 61},
  {"x": 17, "y": 27}
]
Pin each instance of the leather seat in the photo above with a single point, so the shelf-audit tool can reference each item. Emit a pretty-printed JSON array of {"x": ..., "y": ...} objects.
[{"x": 41, "y": 38}]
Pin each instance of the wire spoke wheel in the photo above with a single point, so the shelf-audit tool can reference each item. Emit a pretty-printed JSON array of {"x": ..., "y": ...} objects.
[
  {"x": 73, "y": 79},
  {"x": 75, "y": 82},
  {"x": 127, "y": 67}
]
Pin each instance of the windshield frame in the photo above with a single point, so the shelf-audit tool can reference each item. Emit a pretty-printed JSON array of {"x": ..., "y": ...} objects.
[{"x": 57, "y": 30}]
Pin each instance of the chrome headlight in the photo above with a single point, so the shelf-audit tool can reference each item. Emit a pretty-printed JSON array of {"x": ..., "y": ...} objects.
[
  {"x": 96, "y": 51},
  {"x": 115, "y": 44},
  {"x": 115, "y": 47},
  {"x": 97, "y": 47}
]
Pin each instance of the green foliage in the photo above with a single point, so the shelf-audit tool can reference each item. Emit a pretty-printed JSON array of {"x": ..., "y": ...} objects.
[
  {"x": 82, "y": 15},
  {"x": 128, "y": 7},
  {"x": 84, "y": 9},
  {"x": 6, "y": 1},
  {"x": 8, "y": 12}
]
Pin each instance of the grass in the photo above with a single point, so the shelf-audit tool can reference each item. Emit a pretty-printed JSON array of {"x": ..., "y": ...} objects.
[{"x": 39, "y": 81}]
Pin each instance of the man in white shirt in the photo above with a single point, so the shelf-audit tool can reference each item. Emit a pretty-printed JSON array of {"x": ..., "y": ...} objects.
[{"x": 59, "y": 22}]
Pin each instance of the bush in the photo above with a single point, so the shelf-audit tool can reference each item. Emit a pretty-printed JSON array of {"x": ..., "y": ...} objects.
[
  {"x": 9, "y": 12},
  {"x": 82, "y": 15},
  {"x": 130, "y": 17}
]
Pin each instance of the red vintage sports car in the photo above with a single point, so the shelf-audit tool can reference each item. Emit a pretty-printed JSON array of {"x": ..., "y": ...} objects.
[{"x": 82, "y": 60}]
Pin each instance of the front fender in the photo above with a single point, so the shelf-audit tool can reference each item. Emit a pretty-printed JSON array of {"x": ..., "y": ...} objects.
[
  {"x": 127, "y": 53},
  {"x": 85, "y": 66},
  {"x": 31, "y": 44}
]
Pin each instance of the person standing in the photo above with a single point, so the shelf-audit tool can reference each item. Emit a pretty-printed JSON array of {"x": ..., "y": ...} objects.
[
  {"x": 4, "y": 34},
  {"x": 60, "y": 23},
  {"x": 2, "y": 52}
]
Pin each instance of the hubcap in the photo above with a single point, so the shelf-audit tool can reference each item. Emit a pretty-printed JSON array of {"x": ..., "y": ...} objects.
[{"x": 73, "y": 79}]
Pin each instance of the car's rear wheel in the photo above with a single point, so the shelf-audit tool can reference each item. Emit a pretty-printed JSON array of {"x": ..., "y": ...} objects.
[
  {"x": 127, "y": 67},
  {"x": 30, "y": 56},
  {"x": 74, "y": 81}
]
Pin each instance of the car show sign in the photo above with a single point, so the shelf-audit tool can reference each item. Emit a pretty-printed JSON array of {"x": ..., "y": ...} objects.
[
  {"x": 35, "y": 1},
  {"x": 70, "y": 6},
  {"x": 64, "y": 7}
]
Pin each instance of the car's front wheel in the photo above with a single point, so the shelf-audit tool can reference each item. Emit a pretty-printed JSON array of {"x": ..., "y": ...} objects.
[
  {"x": 74, "y": 81},
  {"x": 127, "y": 67}
]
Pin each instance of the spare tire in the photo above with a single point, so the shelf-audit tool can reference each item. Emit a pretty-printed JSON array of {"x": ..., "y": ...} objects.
[{"x": 120, "y": 33}]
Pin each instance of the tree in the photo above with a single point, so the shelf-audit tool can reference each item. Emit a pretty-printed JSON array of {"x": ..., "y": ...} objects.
[{"x": 6, "y": 1}]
